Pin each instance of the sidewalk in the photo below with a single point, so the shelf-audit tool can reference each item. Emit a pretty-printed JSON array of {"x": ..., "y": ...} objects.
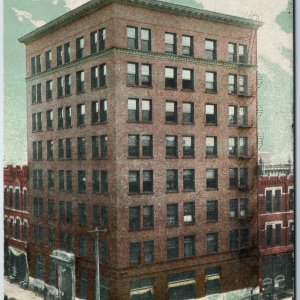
[{"x": 16, "y": 292}]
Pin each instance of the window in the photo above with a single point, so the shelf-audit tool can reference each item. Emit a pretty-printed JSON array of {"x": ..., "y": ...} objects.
[
  {"x": 269, "y": 202},
  {"x": 147, "y": 146},
  {"x": 211, "y": 146},
  {"x": 243, "y": 55},
  {"x": 100, "y": 216},
  {"x": 38, "y": 206},
  {"x": 189, "y": 180},
  {"x": 146, "y": 110},
  {"x": 210, "y": 49},
  {"x": 68, "y": 116},
  {"x": 99, "y": 115},
  {"x": 60, "y": 118},
  {"x": 244, "y": 207},
  {"x": 243, "y": 116},
  {"x": 171, "y": 111},
  {"x": 37, "y": 150},
  {"x": 210, "y": 81},
  {"x": 69, "y": 180},
  {"x": 50, "y": 149},
  {"x": 173, "y": 248},
  {"x": 232, "y": 52},
  {"x": 50, "y": 179},
  {"x": 51, "y": 209},
  {"x": 80, "y": 81},
  {"x": 188, "y": 79},
  {"x": 80, "y": 114},
  {"x": 211, "y": 114},
  {"x": 170, "y": 43},
  {"x": 82, "y": 218},
  {"x": 49, "y": 88},
  {"x": 60, "y": 86},
  {"x": 148, "y": 251},
  {"x": 94, "y": 41},
  {"x": 182, "y": 285},
  {"x": 68, "y": 148},
  {"x": 132, "y": 37},
  {"x": 102, "y": 77},
  {"x": 148, "y": 181},
  {"x": 36, "y": 93},
  {"x": 171, "y": 77},
  {"x": 67, "y": 82},
  {"x": 291, "y": 199},
  {"x": 100, "y": 181},
  {"x": 35, "y": 64},
  {"x": 49, "y": 115},
  {"x": 269, "y": 233},
  {"x": 133, "y": 110},
  {"x": 133, "y": 145},
  {"x": 232, "y": 112},
  {"x": 81, "y": 181},
  {"x": 234, "y": 240},
  {"x": 171, "y": 146},
  {"x": 94, "y": 77},
  {"x": 189, "y": 246},
  {"x": 134, "y": 218},
  {"x": 37, "y": 178},
  {"x": 243, "y": 85},
  {"x": 232, "y": 146},
  {"x": 132, "y": 74},
  {"x": 61, "y": 152},
  {"x": 187, "y": 113},
  {"x": 172, "y": 181},
  {"x": 82, "y": 246},
  {"x": 59, "y": 55},
  {"x": 146, "y": 39},
  {"x": 25, "y": 231},
  {"x": 244, "y": 238},
  {"x": 148, "y": 216},
  {"x": 232, "y": 84},
  {"x": 81, "y": 148},
  {"x": 291, "y": 233},
  {"x": 172, "y": 214},
  {"x": 146, "y": 75},
  {"x": 103, "y": 145},
  {"x": 233, "y": 177},
  {"x": 277, "y": 204},
  {"x": 99, "y": 146},
  {"x": 212, "y": 178},
  {"x": 243, "y": 146},
  {"x": 135, "y": 253},
  {"x": 48, "y": 59},
  {"x": 5, "y": 196},
  {"x": 187, "y": 45},
  {"x": 61, "y": 180},
  {"x": 212, "y": 243},
  {"x": 79, "y": 47},
  {"x": 212, "y": 210},
  {"x": 244, "y": 178},
  {"x": 134, "y": 182},
  {"x": 102, "y": 39},
  {"x": 17, "y": 198},
  {"x": 189, "y": 213},
  {"x": 188, "y": 146},
  {"x": 67, "y": 52}
]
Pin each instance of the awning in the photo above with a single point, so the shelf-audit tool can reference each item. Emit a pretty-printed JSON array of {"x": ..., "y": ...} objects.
[
  {"x": 16, "y": 252},
  {"x": 142, "y": 291},
  {"x": 181, "y": 283}
]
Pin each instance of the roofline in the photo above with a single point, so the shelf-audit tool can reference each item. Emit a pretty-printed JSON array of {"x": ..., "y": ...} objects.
[{"x": 157, "y": 5}]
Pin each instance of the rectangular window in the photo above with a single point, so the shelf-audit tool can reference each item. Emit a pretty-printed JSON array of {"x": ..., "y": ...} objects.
[
  {"x": 102, "y": 39},
  {"x": 133, "y": 146},
  {"x": 148, "y": 251},
  {"x": 103, "y": 144},
  {"x": 173, "y": 248},
  {"x": 50, "y": 180},
  {"x": 233, "y": 177},
  {"x": 68, "y": 116},
  {"x": 68, "y": 148},
  {"x": 146, "y": 110},
  {"x": 48, "y": 60},
  {"x": 148, "y": 216},
  {"x": 60, "y": 118},
  {"x": 189, "y": 246},
  {"x": 33, "y": 122},
  {"x": 244, "y": 208},
  {"x": 81, "y": 148},
  {"x": 277, "y": 204},
  {"x": 269, "y": 238},
  {"x": 269, "y": 202},
  {"x": 69, "y": 185},
  {"x": 234, "y": 240},
  {"x": 103, "y": 110},
  {"x": 102, "y": 75},
  {"x": 61, "y": 180},
  {"x": 211, "y": 146},
  {"x": 171, "y": 77},
  {"x": 60, "y": 86},
  {"x": 187, "y": 113},
  {"x": 79, "y": 48},
  {"x": 67, "y": 52},
  {"x": 148, "y": 181},
  {"x": 39, "y": 121},
  {"x": 211, "y": 81},
  {"x": 172, "y": 181},
  {"x": 33, "y": 94},
  {"x": 171, "y": 146},
  {"x": 61, "y": 152},
  {"x": 244, "y": 178},
  {"x": 244, "y": 238},
  {"x": 82, "y": 246},
  {"x": 232, "y": 84},
  {"x": 171, "y": 111},
  {"x": 95, "y": 147},
  {"x": 33, "y": 65},
  {"x": 104, "y": 182},
  {"x": 134, "y": 182},
  {"x": 188, "y": 146},
  {"x": 62, "y": 211},
  {"x": 243, "y": 146},
  {"x": 69, "y": 216},
  {"x": 243, "y": 85},
  {"x": 67, "y": 85},
  {"x": 51, "y": 209},
  {"x": 210, "y": 49},
  {"x": 134, "y": 218},
  {"x": 82, "y": 214},
  {"x": 94, "y": 77},
  {"x": 232, "y": 113},
  {"x": 189, "y": 213},
  {"x": 133, "y": 110},
  {"x": 94, "y": 42},
  {"x": 95, "y": 112},
  {"x": 49, "y": 88},
  {"x": 188, "y": 79},
  {"x": 132, "y": 74},
  {"x": 243, "y": 55},
  {"x": 212, "y": 243},
  {"x": 132, "y": 37},
  {"x": 170, "y": 43},
  {"x": 212, "y": 178},
  {"x": 146, "y": 39},
  {"x": 49, "y": 149},
  {"x": 187, "y": 45},
  {"x": 81, "y": 181},
  {"x": 243, "y": 116},
  {"x": 59, "y": 55},
  {"x": 211, "y": 113},
  {"x": 232, "y": 146},
  {"x": 232, "y": 52},
  {"x": 147, "y": 146},
  {"x": 146, "y": 75},
  {"x": 189, "y": 180},
  {"x": 135, "y": 253},
  {"x": 172, "y": 214},
  {"x": 49, "y": 116},
  {"x": 212, "y": 210},
  {"x": 80, "y": 81},
  {"x": 80, "y": 114}
]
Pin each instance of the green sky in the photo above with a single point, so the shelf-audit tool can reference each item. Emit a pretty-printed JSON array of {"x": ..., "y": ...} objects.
[{"x": 275, "y": 94}]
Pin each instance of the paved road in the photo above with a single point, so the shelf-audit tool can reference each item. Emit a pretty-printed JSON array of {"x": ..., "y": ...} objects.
[{"x": 14, "y": 291}]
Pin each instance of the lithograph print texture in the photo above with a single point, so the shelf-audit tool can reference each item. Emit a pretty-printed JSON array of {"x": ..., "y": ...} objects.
[{"x": 148, "y": 149}]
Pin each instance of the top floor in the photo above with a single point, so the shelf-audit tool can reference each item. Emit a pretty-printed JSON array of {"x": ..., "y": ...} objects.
[
  {"x": 143, "y": 26},
  {"x": 16, "y": 176}
]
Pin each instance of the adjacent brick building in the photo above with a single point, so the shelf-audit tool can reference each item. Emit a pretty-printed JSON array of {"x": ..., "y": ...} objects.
[
  {"x": 276, "y": 228},
  {"x": 142, "y": 122},
  {"x": 16, "y": 221}
]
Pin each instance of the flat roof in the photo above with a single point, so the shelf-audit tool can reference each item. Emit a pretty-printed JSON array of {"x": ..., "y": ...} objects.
[{"x": 157, "y": 5}]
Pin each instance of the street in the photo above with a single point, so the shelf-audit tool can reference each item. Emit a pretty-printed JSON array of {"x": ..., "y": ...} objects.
[{"x": 14, "y": 291}]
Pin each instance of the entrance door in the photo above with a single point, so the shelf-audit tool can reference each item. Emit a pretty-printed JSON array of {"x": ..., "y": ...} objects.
[{"x": 66, "y": 283}]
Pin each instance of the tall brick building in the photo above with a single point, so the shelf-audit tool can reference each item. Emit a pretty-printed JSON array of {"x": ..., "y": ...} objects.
[
  {"x": 276, "y": 203},
  {"x": 142, "y": 122},
  {"x": 16, "y": 222}
]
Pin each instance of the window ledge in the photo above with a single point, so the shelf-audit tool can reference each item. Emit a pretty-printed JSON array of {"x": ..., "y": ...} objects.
[
  {"x": 81, "y": 192},
  {"x": 244, "y": 96},
  {"x": 188, "y": 90},
  {"x": 134, "y": 194},
  {"x": 81, "y": 158},
  {"x": 211, "y": 156},
  {"x": 60, "y": 97},
  {"x": 171, "y": 157},
  {"x": 50, "y": 159},
  {"x": 146, "y": 86},
  {"x": 99, "y": 158},
  {"x": 80, "y": 92},
  {"x": 212, "y": 221},
  {"x": 172, "y": 225},
  {"x": 189, "y": 224},
  {"x": 211, "y": 124},
  {"x": 232, "y": 187},
  {"x": 232, "y": 156},
  {"x": 170, "y": 192},
  {"x": 210, "y": 92},
  {"x": 188, "y": 123},
  {"x": 171, "y": 89},
  {"x": 68, "y": 95},
  {"x": 50, "y": 99},
  {"x": 212, "y": 189},
  {"x": 188, "y": 190},
  {"x": 188, "y": 157},
  {"x": 83, "y": 125},
  {"x": 67, "y": 127},
  {"x": 171, "y": 123}
]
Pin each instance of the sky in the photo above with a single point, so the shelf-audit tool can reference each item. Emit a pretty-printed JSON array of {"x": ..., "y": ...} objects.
[{"x": 275, "y": 67}]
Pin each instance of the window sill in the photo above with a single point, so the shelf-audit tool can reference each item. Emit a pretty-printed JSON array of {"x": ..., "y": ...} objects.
[
  {"x": 171, "y": 157},
  {"x": 212, "y": 221},
  {"x": 134, "y": 194},
  {"x": 212, "y": 189},
  {"x": 147, "y": 193},
  {"x": 50, "y": 159},
  {"x": 68, "y": 95},
  {"x": 37, "y": 102},
  {"x": 172, "y": 225},
  {"x": 210, "y": 92},
  {"x": 211, "y": 124},
  {"x": 60, "y": 97},
  {"x": 188, "y": 190},
  {"x": 83, "y": 125},
  {"x": 187, "y": 123},
  {"x": 171, "y": 89},
  {"x": 50, "y": 99},
  {"x": 188, "y": 90},
  {"x": 208, "y": 156},
  {"x": 189, "y": 224},
  {"x": 244, "y": 96},
  {"x": 139, "y": 157},
  {"x": 188, "y": 157},
  {"x": 98, "y": 88},
  {"x": 68, "y": 127},
  {"x": 171, "y": 123},
  {"x": 171, "y": 192},
  {"x": 232, "y": 125},
  {"x": 99, "y": 158},
  {"x": 80, "y": 92}
]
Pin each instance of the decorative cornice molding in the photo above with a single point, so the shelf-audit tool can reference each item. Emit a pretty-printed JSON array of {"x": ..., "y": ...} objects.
[
  {"x": 138, "y": 53},
  {"x": 176, "y": 9}
]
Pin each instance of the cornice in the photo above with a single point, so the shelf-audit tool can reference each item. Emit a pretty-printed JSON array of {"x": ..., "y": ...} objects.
[
  {"x": 138, "y": 53},
  {"x": 171, "y": 8}
]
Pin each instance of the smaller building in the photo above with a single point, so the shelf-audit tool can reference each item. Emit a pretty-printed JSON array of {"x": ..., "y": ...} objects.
[
  {"x": 276, "y": 229},
  {"x": 16, "y": 222}
]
